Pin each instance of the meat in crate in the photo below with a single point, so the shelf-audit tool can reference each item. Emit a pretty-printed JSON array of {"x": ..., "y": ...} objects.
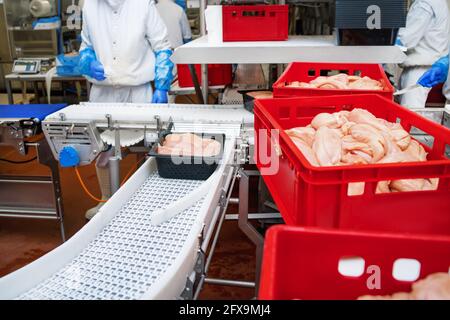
[{"x": 368, "y": 192}]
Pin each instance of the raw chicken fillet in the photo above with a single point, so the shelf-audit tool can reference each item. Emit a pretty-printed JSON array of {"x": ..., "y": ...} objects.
[
  {"x": 340, "y": 81},
  {"x": 357, "y": 137},
  {"x": 188, "y": 144},
  {"x": 434, "y": 287}
]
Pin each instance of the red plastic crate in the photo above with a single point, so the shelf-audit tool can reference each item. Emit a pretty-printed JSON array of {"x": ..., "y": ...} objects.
[
  {"x": 317, "y": 196},
  {"x": 218, "y": 74},
  {"x": 305, "y": 72},
  {"x": 301, "y": 263},
  {"x": 255, "y": 23}
]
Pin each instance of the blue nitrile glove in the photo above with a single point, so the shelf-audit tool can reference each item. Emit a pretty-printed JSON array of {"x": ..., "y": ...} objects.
[
  {"x": 181, "y": 3},
  {"x": 436, "y": 75},
  {"x": 90, "y": 66},
  {"x": 163, "y": 75},
  {"x": 399, "y": 43},
  {"x": 97, "y": 71},
  {"x": 160, "y": 96}
]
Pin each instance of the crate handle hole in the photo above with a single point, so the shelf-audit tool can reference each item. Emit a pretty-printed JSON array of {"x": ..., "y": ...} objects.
[
  {"x": 357, "y": 73},
  {"x": 351, "y": 266},
  {"x": 406, "y": 270},
  {"x": 356, "y": 189},
  {"x": 407, "y": 185},
  {"x": 414, "y": 131},
  {"x": 311, "y": 73}
]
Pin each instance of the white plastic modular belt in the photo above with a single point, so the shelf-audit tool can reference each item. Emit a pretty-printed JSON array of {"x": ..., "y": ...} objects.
[
  {"x": 126, "y": 258},
  {"x": 121, "y": 254},
  {"x": 146, "y": 112}
]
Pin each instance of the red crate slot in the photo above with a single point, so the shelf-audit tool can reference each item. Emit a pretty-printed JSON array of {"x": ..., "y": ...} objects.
[
  {"x": 306, "y": 72},
  {"x": 302, "y": 263},
  {"x": 317, "y": 196},
  {"x": 218, "y": 75},
  {"x": 255, "y": 23}
]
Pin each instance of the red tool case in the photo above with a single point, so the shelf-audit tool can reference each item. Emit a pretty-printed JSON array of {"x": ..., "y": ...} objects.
[
  {"x": 255, "y": 22},
  {"x": 218, "y": 74},
  {"x": 306, "y": 72},
  {"x": 318, "y": 196},
  {"x": 302, "y": 263}
]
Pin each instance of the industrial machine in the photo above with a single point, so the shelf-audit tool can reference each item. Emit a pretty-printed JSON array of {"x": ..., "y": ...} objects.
[
  {"x": 36, "y": 197},
  {"x": 149, "y": 240},
  {"x": 32, "y": 27}
]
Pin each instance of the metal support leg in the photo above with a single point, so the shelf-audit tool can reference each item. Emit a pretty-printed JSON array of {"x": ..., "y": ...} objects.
[
  {"x": 45, "y": 157},
  {"x": 88, "y": 89},
  {"x": 114, "y": 173},
  {"x": 246, "y": 226},
  {"x": 198, "y": 90},
  {"x": 37, "y": 97},
  {"x": 221, "y": 219},
  {"x": 205, "y": 86},
  {"x": 9, "y": 91},
  {"x": 114, "y": 162}
]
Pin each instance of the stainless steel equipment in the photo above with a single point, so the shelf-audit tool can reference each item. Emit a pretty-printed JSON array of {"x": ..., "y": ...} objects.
[
  {"x": 24, "y": 41},
  {"x": 32, "y": 197},
  {"x": 43, "y": 8},
  {"x": 155, "y": 231}
]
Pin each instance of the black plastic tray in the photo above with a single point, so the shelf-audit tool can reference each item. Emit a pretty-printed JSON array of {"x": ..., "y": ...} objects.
[{"x": 190, "y": 167}]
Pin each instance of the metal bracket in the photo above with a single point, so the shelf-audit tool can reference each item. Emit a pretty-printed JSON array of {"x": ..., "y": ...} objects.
[
  {"x": 12, "y": 135},
  {"x": 244, "y": 224},
  {"x": 188, "y": 292},
  {"x": 200, "y": 264},
  {"x": 83, "y": 135},
  {"x": 223, "y": 199}
]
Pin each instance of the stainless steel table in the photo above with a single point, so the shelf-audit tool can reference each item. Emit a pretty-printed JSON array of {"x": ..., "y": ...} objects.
[{"x": 35, "y": 79}]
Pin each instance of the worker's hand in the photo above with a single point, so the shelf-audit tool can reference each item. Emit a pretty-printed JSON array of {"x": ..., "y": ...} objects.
[
  {"x": 97, "y": 71},
  {"x": 436, "y": 75},
  {"x": 160, "y": 96},
  {"x": 89, "y": 65}
]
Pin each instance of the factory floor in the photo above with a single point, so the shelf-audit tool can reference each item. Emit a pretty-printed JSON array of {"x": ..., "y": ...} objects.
[{"x": 22, "y": 241}]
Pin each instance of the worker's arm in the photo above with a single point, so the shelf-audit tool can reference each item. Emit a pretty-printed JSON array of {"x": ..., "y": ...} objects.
[
  {"x": 156, "y": 32},
  {"x": 185, "y": 28},
  {"x": 89, "y": 64},
  {"x": 417, "y": 24},
  {"x": 159, "y": 40}
]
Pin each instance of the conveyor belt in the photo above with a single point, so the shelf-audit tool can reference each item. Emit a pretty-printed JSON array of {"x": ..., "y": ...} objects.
[
  {"x": 125, "y": 259},
  {"x": 138, "y": 113},
  {"x": 120, "y": 254},
  {"x": 29, "y": 111}
]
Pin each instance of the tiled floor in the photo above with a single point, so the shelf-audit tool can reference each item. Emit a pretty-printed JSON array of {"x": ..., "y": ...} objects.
[{"x": 22, "y": 241}]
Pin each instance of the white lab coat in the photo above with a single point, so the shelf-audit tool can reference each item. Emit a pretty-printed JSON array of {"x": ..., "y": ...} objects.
[
  {"x": 426, "y": 36},
  {"x": 125, "y": 36},
  {"x": 417, "y": 98},
  {"x": 176, "y": 22}
]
